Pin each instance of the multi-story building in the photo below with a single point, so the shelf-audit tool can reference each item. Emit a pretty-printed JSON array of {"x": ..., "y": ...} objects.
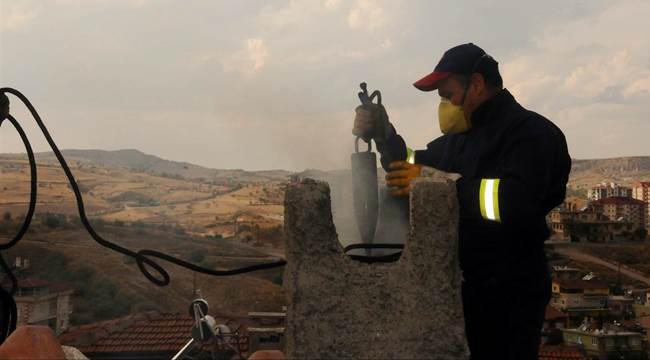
[
  {"x": 579, "y": 298},
  {"x": 606, "y": 190},
  {"x": 641, "y": 191},
  {"x": 622, "y": 209},
  {"x": 607, "y": 342},
  {"x": 588, "y": 225}
]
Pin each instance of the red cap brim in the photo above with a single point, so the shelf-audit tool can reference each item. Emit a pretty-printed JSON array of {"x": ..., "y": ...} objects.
[{"x": 430, "y": 82}]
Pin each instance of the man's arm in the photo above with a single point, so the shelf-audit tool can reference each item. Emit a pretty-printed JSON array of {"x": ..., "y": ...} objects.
[
  {"x": 529, "y": 181},
  {"x": 392, "y": 149}
]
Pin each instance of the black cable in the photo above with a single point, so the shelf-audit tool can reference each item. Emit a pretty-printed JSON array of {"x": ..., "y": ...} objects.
[
  {"x": 373, "y": 246},
  {"x": 375, "y": 259},
  {"x": 9, "y": 313},
  {"x": 142, "y": 257},
  {"x": 9, "y": 309}
]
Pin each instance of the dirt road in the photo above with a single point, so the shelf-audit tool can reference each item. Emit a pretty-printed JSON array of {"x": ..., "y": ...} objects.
[{"x": 576, "y": 254}]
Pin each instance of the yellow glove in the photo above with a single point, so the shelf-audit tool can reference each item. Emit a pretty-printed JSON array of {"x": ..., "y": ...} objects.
[{"x": 400, "y": 176}]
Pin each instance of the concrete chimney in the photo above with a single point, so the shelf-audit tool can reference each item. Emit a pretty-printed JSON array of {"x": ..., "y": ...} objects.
[{"x": 342, "y": 308}]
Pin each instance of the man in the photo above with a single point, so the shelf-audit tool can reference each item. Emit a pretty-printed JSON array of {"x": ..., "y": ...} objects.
[{"x": 514, "y": 165}]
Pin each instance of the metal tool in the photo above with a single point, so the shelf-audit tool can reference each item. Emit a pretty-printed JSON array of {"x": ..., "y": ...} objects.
[
  {"x": 206, "y": 330},
  {"x": 364, "y": 181}
]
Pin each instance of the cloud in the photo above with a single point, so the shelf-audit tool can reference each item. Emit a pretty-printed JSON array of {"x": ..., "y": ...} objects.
[
  {"x": 367, "y": 15},
  {"x": 15, "y": 16},
  {"x": 332, "y": 4},
  {"x": 589, "y": 75},
  {"x": 249, "y": 60},
  {"x": 274, "y": 84}
]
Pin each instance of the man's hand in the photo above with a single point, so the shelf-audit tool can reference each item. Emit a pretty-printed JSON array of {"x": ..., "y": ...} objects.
[
  {"x": 400, "y": 176},
  {"x": 371, "y": 122}
]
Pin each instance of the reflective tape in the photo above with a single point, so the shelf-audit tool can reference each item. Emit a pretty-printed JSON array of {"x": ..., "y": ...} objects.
[
  {"x": 410, "y": 155},
  {"x": 489, "y": 199}
]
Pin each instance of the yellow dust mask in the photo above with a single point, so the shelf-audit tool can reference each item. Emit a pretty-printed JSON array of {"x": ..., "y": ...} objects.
[{"x": 452, "y": 118}]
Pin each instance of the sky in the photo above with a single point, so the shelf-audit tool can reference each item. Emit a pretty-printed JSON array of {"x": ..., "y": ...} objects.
[{"x": 272, "y": 84}]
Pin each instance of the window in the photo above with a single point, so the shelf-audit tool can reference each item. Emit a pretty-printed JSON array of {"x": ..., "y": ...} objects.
[{"x": 594, "y": 341}]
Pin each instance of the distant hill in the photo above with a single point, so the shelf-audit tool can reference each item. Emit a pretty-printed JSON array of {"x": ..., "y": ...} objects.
[
  {"x": 136, "y": 160},
  {"x": 623, "y": 170},
  {"x": 584, "y": 173}
]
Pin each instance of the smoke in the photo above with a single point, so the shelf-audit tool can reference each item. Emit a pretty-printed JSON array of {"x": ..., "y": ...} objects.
[{"x": 392, "y": 225}]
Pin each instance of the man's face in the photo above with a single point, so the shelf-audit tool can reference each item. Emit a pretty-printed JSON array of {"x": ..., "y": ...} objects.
[{"x": 453, "y": 89}]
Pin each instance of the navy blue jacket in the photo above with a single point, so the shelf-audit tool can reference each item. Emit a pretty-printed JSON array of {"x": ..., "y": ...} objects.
[{"x": 522, "y": 158}]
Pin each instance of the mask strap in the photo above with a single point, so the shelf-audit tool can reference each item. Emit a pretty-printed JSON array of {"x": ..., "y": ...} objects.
[{"x": 469, "y": 80}]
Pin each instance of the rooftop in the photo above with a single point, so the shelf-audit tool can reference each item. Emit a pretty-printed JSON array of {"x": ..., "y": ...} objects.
[
  {"x": 142, "y": 333},
  {"x": 581, "y": 284},
  {"x": 618, "y": 200},
  {"x": 553, "y": 313},
  {"x": 558, "y": 352}
]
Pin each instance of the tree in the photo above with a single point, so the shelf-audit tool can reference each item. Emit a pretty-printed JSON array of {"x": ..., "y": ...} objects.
[
  {"x": 196, "y": 256},
  {"x": 54, "y": 221}
]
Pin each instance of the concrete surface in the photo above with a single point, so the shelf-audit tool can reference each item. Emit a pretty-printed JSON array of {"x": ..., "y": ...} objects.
[{"x": 341, "y": 308}]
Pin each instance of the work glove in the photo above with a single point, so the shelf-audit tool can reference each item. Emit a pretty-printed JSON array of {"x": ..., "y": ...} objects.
[
  {"x": 402, "y": 173},
  {"x": 371, "y": 122}
]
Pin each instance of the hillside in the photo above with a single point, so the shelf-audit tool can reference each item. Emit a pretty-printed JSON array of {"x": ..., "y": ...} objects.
[
  {"x": 231, "y": 219},
  {"x": 138, "y": 161},
  {"x": 134, "y": 187},
  {"x": 624, "y": 170},
  {"x": 109, "y": 284}
]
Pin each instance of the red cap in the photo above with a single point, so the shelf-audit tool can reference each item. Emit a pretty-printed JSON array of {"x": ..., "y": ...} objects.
[
  {"x": 461, "y": 59},
  {"x": 430, "y": 82}
]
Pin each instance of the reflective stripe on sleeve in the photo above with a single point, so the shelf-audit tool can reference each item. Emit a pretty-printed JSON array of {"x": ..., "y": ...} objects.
[
  {"x": 410, "y": 155},
  {"x": 489, "y": 199}
]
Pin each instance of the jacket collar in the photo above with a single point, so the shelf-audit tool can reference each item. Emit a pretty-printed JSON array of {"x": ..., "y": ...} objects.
[{"x": 488, "y": 111}]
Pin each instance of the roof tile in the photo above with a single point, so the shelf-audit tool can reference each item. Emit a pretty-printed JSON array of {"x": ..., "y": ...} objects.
[{"x": 152, "y": 332}]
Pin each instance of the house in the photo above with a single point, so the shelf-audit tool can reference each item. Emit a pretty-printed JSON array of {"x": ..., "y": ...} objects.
[
  {"x": 554, "y": 321},
  {"x": 150, "y": 335},
  {"x": 39, "y": 302},
  {"x": 607, "y": 342},
  {"x": 588, "y": 225},
  {"x": 641, "y": 191},
  {"x": 606, "y": 190},
  {"x": 566, "y": 273},
  {"x": 269, "y": 335},
  {"x": 621, "y": 307},
  {"x": 579, "y": 298},
  {"x": 624, "y": 209}
]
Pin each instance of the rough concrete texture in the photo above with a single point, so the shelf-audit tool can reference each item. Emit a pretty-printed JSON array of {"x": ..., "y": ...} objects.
[{"x": 341, "y": 308}]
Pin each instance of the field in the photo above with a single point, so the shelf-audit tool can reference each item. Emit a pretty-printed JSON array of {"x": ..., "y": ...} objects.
[{"x": 221, "y": 223}]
